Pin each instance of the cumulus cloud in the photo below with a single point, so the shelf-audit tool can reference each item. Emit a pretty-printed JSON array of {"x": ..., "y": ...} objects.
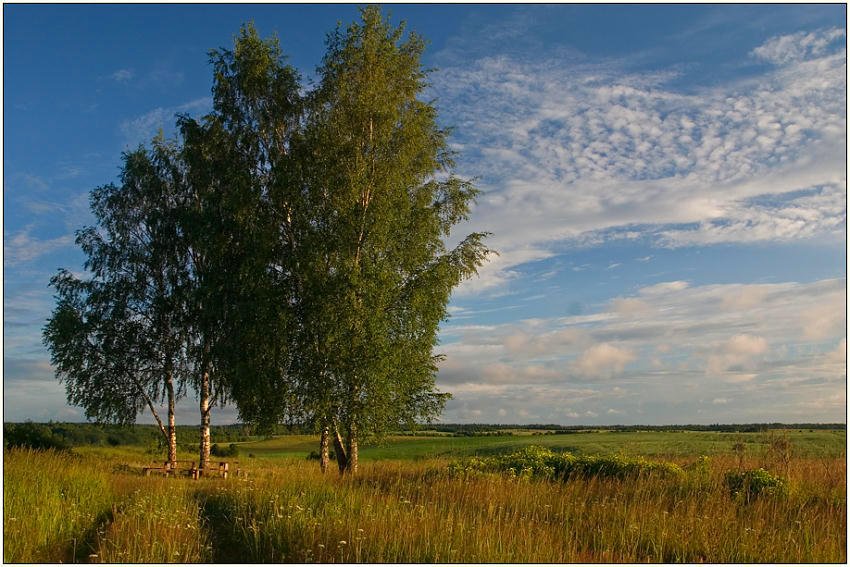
[
  {"x": 747, "y": 296},
  {"x": 603, "y": 360},
  {"x": 735, "y": 353},
  {"x": 748, "y": 340},
  {"x": 630, "y": 306}
]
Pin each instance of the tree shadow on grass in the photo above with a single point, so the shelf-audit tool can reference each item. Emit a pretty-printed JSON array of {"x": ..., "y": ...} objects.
[
  {"x": 226, "y": 546},
  {"x": 80, "y": 549}
]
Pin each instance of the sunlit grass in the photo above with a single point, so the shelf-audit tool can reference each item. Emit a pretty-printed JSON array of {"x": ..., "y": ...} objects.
[
  {"x": 405, "y": 512},
  {"x": 52, "y": 501},
  {"x": 158, "y": 523},
  {"x": 98, "y": 507}
]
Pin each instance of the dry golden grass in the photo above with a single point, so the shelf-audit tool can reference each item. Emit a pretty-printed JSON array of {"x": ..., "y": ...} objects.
[
  {"x": 405, "y": 512},
  {"x": 396, "y": 511}
]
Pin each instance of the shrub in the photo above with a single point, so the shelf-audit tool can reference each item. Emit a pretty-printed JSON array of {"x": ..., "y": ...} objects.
[
  {"x": 538, "y": 462},
  {"x": 748, "y": 485},
  {"x": 314, "y": 456},
  {"x": 231, "y": 451}
]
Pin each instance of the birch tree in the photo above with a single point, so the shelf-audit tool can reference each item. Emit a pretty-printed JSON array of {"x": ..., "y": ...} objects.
[
  {"x": 118, "y": 338},
  {"x": 236, "y": 158},
  {"x": 377, "y": 170}
]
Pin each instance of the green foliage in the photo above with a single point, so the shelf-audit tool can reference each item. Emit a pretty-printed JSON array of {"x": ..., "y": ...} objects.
[
  {"x": 321, "y": 219},
  {"x": 378, "y": 169},
  {"x": 32, "y": 435},
  {"x": 751, "y": 484},
  {"x": 542, "y": 463},
  {"x": 119, "y": 339},
  {"x": 231, "y": 451}
]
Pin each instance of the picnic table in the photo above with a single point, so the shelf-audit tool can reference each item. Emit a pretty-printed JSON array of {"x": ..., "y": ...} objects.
[
  {"x": 222, "y": 470},
  {"x": 167, "y": 468}
]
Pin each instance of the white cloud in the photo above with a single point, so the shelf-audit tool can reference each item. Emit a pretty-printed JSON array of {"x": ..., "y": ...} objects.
[
  {"x": 141, "y": 130},
  {"x": 748, "y": 339},
  {"x": 630, "y": 306},
  {"x": 122, "y": 75},
  {"x": 839, "y": 355},
  {"x": 826, "y": 318},
  {"x": 603, "y": 360},
  {"x": 664, "y": 288},
  {"x": 568, "y": 152},
  {"x": 798, "y": 46},
  {"x": 747, "y": 297},
  {"x": 736, "y": 352},
  {"x": 23, "y": 247}
]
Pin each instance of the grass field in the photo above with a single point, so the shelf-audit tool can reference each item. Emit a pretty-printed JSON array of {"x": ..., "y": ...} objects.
[
  {"x": 825, "y": 443},
  {"x": 406, "y": 505}
]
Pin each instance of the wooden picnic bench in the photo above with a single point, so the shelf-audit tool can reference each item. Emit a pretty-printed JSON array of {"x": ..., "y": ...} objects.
[
  {"x": 167, "y": 469},
  {"x": 223, "y": 470},
  {"x": 193, "y": 471}
]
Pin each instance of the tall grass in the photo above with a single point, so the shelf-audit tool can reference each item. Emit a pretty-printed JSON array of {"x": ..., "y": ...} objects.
[
  {"x": 416, "y": 511},
  {"x": 52, "y": 504},
  {"x": 396, "y": 512},
  {"x": 158, "y": 523}
]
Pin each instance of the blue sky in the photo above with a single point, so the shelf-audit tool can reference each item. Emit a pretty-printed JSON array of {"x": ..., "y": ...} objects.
[{"x": 666, "y": 186}]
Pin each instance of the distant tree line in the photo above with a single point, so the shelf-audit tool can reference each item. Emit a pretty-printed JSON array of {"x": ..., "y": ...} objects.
[
  {"x": 61, "y": 435},
  {"x": 479, "y": 428}
]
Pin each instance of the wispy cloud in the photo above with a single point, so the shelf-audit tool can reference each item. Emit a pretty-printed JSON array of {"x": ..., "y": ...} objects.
[
  {"x": 142, "y": 129},
  {"x": 24, "y": 247},
  {"x": 122, "y": 75},
  {"x": 582, "y": 149}
]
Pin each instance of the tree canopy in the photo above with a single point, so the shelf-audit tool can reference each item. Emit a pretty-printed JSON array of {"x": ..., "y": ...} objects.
[
  {"x": 291, "y": 245},
  {"x": 118, "y": 339}
]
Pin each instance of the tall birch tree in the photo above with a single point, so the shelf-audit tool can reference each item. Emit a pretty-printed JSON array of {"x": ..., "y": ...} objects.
[
  {"x": 236, "y": 160},
  {"x": 377, "y": 169},
  {"x": 118, "y": 338}
]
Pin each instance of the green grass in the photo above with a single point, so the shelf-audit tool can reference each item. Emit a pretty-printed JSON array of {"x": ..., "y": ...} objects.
[
  {"x": 407, "y": 506},
  {"x": 827, "y": 443},
  {"x": 53, "y": 503}
]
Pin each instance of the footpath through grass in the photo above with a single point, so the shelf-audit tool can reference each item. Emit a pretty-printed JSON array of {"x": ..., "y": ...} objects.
[{"x": 97, "y": 507}]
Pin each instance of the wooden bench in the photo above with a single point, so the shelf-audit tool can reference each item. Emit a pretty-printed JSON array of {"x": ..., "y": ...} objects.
[
  {"x": 222, "y": 471},
  {"x": 167, "y": 469}
]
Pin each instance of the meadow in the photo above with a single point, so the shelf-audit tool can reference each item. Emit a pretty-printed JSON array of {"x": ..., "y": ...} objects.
[{"x": 442, "y": 499}]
